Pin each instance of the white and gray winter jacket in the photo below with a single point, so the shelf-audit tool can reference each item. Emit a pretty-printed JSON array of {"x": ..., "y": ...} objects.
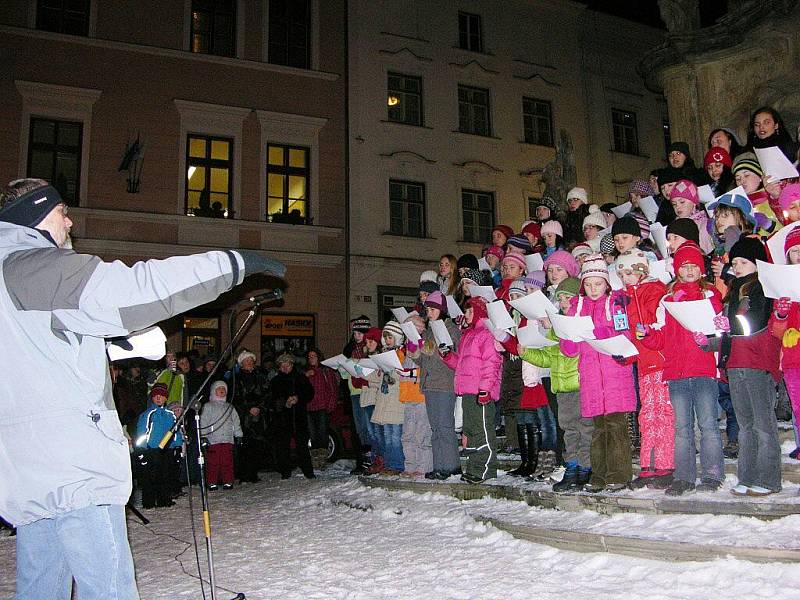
[{"x": 61, "y": 442}]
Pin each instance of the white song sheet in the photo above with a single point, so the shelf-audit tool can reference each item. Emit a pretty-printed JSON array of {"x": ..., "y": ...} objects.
[
  {"x": 440, "y": 333},
  {"x": 531, "y": 336},
  {"x": 779, "y": 281},
  {"x": 534, "y": 306},
  {"x": 618, "y": 345},
  {"x": 576, "y": 329},
  {"x": 694, "y": 315}
]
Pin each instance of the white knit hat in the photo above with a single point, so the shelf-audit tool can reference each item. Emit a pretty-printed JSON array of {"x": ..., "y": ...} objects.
[
  {"x": 245, "y": 354},
  {"x": 428, "y": 276},
  {"x": 595, "y": 217},
  {"x": 552, "y": 227},
  {"x": 594, "y": 266},
  {"x": 579, "y": 193},
  {"x": 393, "y": 328}
]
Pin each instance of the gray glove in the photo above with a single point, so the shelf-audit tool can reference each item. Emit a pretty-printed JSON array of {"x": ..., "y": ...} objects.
[{"x": 255, "y": 262}]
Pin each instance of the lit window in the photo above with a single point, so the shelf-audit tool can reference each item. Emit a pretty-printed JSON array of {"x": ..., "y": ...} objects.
[
  {"x": 404, "y": 99},
  {"x": 287, "y": 184},
  {"x": 209, "y": 166}
]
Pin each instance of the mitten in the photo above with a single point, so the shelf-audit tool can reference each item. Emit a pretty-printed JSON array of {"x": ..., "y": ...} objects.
[
  {"x": 699, "y": 338},
  {"x": 642, "y": 331},
  {"x": 791, "y": 337},
  {"x": 255, "y": 262},
  {"x": 721, "y": 323},
  {"x": 782, "y": 306},
  {"x": 483, "y": 398},
  {"x": 444, "y": 349},
  {"x": 619, "y": 359},
  {"x": 677, "y": 296}
]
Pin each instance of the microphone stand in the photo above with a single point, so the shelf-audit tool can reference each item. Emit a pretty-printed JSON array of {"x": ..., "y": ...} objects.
[{"x": 192, "y": 404}]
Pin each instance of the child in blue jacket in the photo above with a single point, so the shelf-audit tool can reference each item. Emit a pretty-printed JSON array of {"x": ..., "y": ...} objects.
[{"x": 154, "y": 463}]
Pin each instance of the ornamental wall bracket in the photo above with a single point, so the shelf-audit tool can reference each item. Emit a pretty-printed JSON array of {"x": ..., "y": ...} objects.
[
  {"x": 409, "y": 153},
  {"x": 409, "y": 51},
  {"x": 473, "y": 62},
  {"x": 477, "y": 163}
]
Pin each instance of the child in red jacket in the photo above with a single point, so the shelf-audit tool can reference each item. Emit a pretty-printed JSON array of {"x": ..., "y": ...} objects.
[
  {"x": 656, "y": 419},
  {"x": 691, "y": 376}
]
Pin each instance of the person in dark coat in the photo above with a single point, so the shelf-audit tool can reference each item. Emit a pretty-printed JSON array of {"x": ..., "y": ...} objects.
[
  {"x": 291, "y": 392},
  {"x": 250, "y": 399}
]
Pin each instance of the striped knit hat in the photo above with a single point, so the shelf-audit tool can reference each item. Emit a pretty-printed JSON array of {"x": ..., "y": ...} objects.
[
  {"x": 594, "y": 266},
  {"x": 517, "y": 260},
  {"x": 393, "y": 328},
  {"x": 749, "y": 162}
]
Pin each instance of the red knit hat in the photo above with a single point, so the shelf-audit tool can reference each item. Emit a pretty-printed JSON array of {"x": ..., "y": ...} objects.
[
  {"x": 533, "y": 228},
  {"x": 688, "y": 253},
  {"x": 685, "y": 189},
  {"x": 494, "y": 251},
  {"x": 717, "y": 154},
  {"x": 792, "y": 240},
  {"x": 159, "y": 389},
  {"x": 504, "y": 229},
  {"x": 375, "y": 334},
  {"x": 479, "y": 310}
]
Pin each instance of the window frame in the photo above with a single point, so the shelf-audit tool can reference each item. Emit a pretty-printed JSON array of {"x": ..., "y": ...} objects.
[
  {"x": 537, "y": 118},
  {"x": 471, "y": 116},
  {"x": 56, "y": 149},
  {"x": 210, "y": 163},
  {"x": 57, "y": 102},
  {"x": 213, "y": 120},
  {"x": 622, "y": 127},
  {"x": 492, "y": 213},
  {"x": 287, "y": 171},
  {"x": 406, "y": 203},
  {"x": 312, "y": 8},
  {"x": 295, "y": 130},
  {"x": 467, "y": 34},
  {"x": 419, "y": 95},
  {"x": 234, "y": 20},
  {"x": 36, "y": 12}
]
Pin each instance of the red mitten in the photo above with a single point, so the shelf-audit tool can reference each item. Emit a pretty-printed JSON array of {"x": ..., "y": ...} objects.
[{"x": 782, "y": 306}]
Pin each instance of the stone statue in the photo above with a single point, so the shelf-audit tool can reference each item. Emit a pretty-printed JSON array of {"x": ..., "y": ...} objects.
[
  {"x": 559, "y": 176},
  {"x": 680, "y": 16}
]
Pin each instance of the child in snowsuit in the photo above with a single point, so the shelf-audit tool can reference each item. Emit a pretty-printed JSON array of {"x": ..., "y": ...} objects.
[{"x": 220, "y": 425}]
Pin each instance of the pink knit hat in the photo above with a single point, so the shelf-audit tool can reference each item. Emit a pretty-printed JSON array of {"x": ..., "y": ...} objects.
[
  {"x": 563, "y": 259},
  {"x": 552, "y": 227},
  {"x": 517, "y": 259},
  {"x": 494, "y": 251},
  {"x": 685, "y": 189},
  {"x": 789, "y": 195}
]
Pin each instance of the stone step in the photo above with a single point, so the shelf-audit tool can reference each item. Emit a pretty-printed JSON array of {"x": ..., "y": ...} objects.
[
  {"x": 642, "y": 501},
  {"x": 583, "y": 541}
]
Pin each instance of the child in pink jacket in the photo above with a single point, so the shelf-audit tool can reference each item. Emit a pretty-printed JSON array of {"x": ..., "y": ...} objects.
[
  {"x": 477, "y": 366},
  {"x": 607, "y": 392}
]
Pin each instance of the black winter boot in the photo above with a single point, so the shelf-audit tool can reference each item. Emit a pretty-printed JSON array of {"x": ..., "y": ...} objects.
[
  {"x": 533, "y": 448},
  {"x": 524, "y": 452},
  {"x": 569, "y": 481}
]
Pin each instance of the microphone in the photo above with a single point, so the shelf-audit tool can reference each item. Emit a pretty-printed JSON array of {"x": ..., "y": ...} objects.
[{"x": 271, "y": 295}]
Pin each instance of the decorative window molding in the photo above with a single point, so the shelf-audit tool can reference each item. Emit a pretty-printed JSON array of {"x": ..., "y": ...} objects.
[
  {"x": 215, "y": 120},
  {"x": 292, "y": 129},
  {"x": 57, "y": 102}
]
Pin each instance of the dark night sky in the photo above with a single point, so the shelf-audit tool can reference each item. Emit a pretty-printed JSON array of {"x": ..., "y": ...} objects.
[{"x": 646, "y": 11}]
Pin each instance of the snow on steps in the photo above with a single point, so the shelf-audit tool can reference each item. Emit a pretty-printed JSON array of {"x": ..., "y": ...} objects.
[{"x": 584, "y": 541}]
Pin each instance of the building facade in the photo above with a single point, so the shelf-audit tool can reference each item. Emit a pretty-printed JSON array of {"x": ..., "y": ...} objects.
[
  {"x": 457, "y": 108},
  {"x": 178, "y": 127}
]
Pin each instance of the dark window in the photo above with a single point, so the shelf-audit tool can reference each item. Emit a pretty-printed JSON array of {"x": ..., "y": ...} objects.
[
  {"x": 54, "y": 154},
  {"x": 478, "y": 213},
  {"x": 287, "y": 184},
  {"x": 667, "y": 134},
  {"x": 407, "y": 208},
  {"x": 537, "y": 121},
  {"x": 63, "y": 16},
  {"x": 404, "y": 99},
  {"x": 469, "y": 32},
  {"x": 214, "y": 27},
  {"x": 290, "y": 33},
  {"x": 626, "y": 136},
  {"x": 209, "y": 176},
  {"x": 473, "y": 110}
]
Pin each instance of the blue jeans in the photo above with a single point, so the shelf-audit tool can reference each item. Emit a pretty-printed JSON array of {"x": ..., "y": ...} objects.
[
  {"x": 731, "y": 424},
  {"x": 696, "y": 397},
  {"x": 360, "y": 418},
  {"x": 547, "y": 425},
  {"x": 89, "y": 545},
  {"x": 393, "y": 447}
]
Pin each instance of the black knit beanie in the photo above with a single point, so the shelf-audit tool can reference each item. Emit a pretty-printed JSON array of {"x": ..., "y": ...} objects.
[
  {"x": 626, "y": 224},
  {"x": 467, "y": 261},
  {"x": 750, "y": 248}
]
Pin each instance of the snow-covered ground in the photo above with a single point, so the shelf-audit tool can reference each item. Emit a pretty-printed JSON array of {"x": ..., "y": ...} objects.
[{"x": 333, "y": 538}]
